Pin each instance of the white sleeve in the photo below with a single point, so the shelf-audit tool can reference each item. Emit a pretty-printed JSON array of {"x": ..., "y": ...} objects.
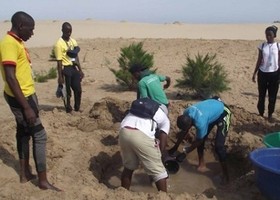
[
  {"x": 162, "y": 120},
  {"x": 261, "y": 46}
]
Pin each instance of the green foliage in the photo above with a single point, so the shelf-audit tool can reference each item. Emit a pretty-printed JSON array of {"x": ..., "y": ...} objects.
[
  {"x": 44, "y": 76},
  {"x": 204, "y": 75},
  {"x": 132, "y": 54}
]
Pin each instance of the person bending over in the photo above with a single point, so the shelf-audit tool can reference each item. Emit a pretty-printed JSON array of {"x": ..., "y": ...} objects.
[
  {"x": 150, "y": 85},
  {"x": 204, "y": 116},
  {"x": 138, "y": 144}
]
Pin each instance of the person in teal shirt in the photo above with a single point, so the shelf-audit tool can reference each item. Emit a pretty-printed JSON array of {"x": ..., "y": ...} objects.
[
  {"x": 204, "y": 116},
  {"x": 150, "y": 85}
]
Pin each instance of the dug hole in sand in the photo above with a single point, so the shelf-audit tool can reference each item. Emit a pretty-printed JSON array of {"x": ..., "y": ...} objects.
[{"x": 84, "y": 157}]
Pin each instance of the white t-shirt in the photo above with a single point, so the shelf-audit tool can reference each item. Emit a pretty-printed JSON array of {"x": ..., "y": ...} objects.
[
  {"x": 270, "y": 54},
  {"x": 145, "y": 125}
]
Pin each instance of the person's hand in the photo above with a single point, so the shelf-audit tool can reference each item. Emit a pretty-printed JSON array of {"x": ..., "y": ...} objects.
[
  {"x": 254, "y": 78},
  {"x": 60, "y": 80},
  {"x": 168, "y": 81},
  {"x": 81, "y": 75},
  {"x": 187, "y": 149},
  {"x": 169, "y": 104},
  {"x": 30, "y": 116},
  {"x": 168, "y": 157},
  {"x": 166, "y": 86},
  {"x": 172, "y": 150},
  {"x": 181, "y": 157},
  {"x": 188, "y": 138}
]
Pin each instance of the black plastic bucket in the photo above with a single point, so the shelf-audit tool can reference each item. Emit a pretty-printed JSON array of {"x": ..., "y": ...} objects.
[{"x": 172, "y": 166}]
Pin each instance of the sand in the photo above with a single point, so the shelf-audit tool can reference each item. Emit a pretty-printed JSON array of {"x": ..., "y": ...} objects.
[{"x": 83, "y": 151}]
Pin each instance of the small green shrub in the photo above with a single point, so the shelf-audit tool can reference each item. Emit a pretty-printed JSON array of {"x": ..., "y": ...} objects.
[
  {"x": 52, "y": 55},
  {"x": 132, "y": 54},
  {"x": 204, "y": 75},
  {"x": 52, "y": 73},
  {"x": 43, "y": 76},
  {"x": 40, "y": 77}
]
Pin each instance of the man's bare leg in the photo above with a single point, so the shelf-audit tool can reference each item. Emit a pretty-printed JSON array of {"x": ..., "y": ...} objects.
[
  {"x": 126, "y": 178},
  {"x": 25, "y": 174},
  {"x": 201, "y": 166},
  {"x": 161, "y": 185},
  {"x": 201, "y": 163}
]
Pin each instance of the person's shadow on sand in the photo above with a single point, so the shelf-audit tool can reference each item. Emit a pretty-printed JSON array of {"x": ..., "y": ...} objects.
[{"x": 9, "y": 159}]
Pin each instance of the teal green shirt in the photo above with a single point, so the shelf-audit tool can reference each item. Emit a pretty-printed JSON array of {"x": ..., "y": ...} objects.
[{"x": 150, "y": 86}]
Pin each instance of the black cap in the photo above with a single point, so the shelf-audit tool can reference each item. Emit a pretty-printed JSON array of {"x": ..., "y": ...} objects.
[{"x": 136, "y": 68}]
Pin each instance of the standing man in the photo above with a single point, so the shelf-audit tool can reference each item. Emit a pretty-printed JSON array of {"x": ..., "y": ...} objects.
[
  {"x": 204, "y": 116},
  {"x": 138, "y": 144},
  {"x": 19, "y": 92},
  {"x": 68, "y": 66},
  {"x": 149, "y": 85}
]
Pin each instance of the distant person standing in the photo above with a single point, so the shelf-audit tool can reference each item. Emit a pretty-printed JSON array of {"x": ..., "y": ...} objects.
[
  {"x": 19, "y": 92},
  {"x": 68, "y": 66},
  {"x": 150, "y": 85},
  {"x": 267, "y": 68}
]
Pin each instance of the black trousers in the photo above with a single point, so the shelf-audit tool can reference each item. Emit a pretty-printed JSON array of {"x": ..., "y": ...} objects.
[
  {"x": 267, "y": 81},
  {"x": 222, "y": 124},
  {"x": 24, "y": 132},
  {"x": 72, "y": 81}
]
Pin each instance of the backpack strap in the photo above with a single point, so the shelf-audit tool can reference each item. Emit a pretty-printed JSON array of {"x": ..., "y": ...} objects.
[
  {"x": 278, "y": 59},
  {"x": 276, "y": 44}
]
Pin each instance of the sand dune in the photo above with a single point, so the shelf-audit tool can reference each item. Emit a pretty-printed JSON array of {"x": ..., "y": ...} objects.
[{"x": 46, "y": 32}]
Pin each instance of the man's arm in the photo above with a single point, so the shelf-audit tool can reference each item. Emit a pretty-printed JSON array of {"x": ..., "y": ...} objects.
[
  {"x": 257, "y": 65},
  {"x": 14, "y": 85},
  {"x": 58, "y": 55},
  {"x": 162, "y": 145},
  {"x": 180, "y": 137},
  {"x": 168, "y": 81},
  {"x": 79, "y": 66},
  {"x": 194, "y": 145},
  {"x": 60, "y": 78}
]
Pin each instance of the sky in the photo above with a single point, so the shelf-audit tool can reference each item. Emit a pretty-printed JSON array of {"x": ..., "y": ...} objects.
[{"x": 148, "y": 11}]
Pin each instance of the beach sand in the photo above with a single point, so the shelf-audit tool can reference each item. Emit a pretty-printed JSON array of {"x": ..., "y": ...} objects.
[{"x": 83, "y": 151}]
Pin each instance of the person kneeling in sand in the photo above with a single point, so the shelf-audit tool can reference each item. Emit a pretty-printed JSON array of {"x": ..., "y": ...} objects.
[{"x": 204, "y": 116}]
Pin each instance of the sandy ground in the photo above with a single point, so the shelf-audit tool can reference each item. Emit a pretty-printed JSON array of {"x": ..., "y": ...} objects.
[{"x": 83, "y": 152}]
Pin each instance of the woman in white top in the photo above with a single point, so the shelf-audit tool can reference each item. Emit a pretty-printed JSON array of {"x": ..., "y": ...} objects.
[{"x": 268, "y": 74}]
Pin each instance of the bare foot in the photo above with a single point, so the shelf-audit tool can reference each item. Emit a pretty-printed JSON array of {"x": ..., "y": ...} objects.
[
  {"x": 29, "y": 176},
  {"x": 202, "y": 169},
  {"x": 48, "y": 186}
]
